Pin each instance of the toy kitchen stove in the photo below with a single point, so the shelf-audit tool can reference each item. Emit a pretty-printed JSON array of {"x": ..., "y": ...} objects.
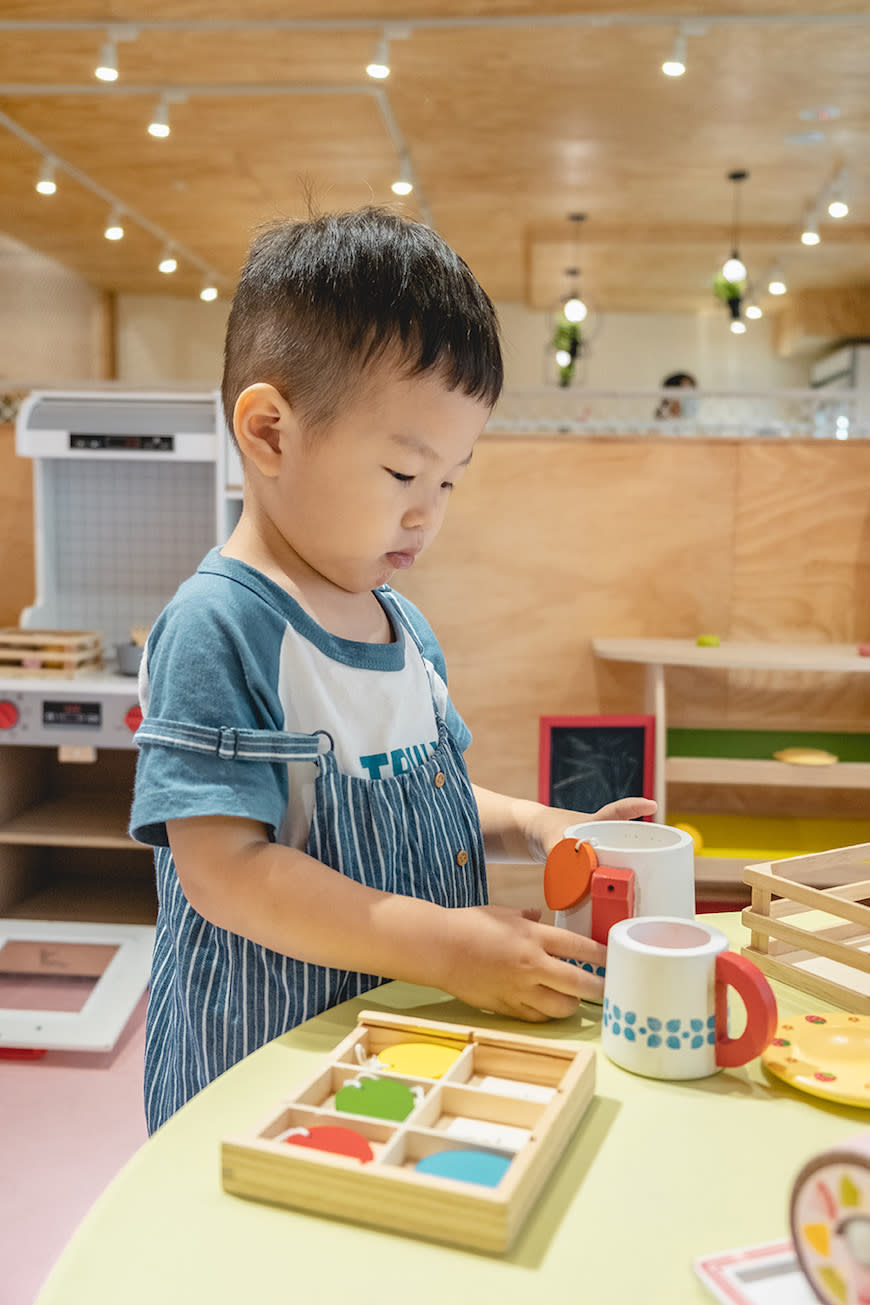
[{"x": 130, "y": 492}]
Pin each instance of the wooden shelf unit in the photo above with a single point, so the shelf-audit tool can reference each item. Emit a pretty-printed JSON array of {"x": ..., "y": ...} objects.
[
  {"x": 64, "y": 848},
  {"x": 73, "y": 820},
  {"x": 722, "y": 773},
  {"x": 765, "y": 774}
]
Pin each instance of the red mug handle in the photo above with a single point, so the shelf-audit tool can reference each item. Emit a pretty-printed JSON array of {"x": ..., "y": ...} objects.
[{"x": 761, "y": 1017}]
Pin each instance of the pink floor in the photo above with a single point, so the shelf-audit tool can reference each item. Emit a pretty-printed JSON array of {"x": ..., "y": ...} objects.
[{"x": 68, "y": 1123}]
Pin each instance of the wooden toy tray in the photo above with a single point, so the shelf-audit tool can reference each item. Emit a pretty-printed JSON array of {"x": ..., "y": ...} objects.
[
  {"x": 830, "y": 957},
  {"x": 57, "y": 653},
  {"x": 503, "y": 1104}
]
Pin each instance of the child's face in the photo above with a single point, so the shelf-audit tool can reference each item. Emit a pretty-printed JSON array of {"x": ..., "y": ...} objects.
[{"x": 362, "y": 499}]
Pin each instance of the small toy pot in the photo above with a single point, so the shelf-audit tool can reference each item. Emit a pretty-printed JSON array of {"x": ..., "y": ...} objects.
[{"x": 129, "y": 657}]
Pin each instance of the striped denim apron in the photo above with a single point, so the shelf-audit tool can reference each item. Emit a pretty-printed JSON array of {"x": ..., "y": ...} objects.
[{"x": 216, "y": 996}]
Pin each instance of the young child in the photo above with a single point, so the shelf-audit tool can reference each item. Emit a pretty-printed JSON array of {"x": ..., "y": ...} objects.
[{"x": 301, "y": 772}]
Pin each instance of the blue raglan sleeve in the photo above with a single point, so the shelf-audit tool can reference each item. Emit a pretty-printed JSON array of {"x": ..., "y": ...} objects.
[
  {"x": 210, "y": 661},
  {"x": 433, "y": 653}
]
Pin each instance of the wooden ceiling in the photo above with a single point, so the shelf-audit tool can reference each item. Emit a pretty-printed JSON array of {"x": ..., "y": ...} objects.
[{"x": 510, "y": 128}]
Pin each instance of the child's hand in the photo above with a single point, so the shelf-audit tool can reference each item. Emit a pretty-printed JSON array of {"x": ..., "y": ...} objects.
[
  {"x": 551, "y": 822},
  {"x": 505, "y": 961}
]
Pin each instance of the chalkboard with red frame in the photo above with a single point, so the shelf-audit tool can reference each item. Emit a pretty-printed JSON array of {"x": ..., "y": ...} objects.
[{"x": 588, "y": 761}]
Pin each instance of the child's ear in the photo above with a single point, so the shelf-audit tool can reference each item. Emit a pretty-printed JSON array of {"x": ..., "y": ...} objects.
[{"x": 264, "y": 425}]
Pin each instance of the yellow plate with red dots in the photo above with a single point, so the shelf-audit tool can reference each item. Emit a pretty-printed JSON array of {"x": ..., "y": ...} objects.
[{"x": 827, "y": 1055}]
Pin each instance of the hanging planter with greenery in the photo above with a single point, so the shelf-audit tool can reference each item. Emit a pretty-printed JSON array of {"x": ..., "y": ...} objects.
[
  {"x": 567, "y": 339},
  {"x": 731, "y": 292}
]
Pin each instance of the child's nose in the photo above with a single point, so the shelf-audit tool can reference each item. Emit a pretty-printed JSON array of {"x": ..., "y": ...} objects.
[{"x": 425, "y": 511}]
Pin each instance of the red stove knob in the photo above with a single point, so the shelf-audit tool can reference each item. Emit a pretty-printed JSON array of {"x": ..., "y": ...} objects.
[
  {"x": 133, "y": 719},
  {"x": 8, "y": 714}
]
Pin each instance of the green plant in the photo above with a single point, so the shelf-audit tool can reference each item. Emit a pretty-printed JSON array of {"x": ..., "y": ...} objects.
[
  {"x": 567, "y": 338},
  {"x": 731, "y": 292}
]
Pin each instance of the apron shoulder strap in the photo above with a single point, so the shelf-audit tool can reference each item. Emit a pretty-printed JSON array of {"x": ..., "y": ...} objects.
[{"x": 232, "y": 744}]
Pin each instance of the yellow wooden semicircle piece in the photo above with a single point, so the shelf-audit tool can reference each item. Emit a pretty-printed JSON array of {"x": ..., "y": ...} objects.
[
  {"x": 806, "y": 757},
  {"x": 419, "y": 1059},
  {"x": 817, "y": 1236}
]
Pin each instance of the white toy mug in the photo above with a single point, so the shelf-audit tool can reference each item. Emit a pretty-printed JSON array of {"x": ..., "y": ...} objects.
[
  {"x": 661, "y": 858},
  {"x": 666, "y": 1000}
]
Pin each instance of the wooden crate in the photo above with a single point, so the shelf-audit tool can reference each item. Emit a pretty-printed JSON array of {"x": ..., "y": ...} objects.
[
  {"x": 830, "y": 960},
  {"x": 64, "y": 653},
  {"x": 525, "y": 1118}
]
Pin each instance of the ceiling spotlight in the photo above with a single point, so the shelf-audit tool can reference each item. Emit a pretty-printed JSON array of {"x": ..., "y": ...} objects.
[
  {"x": 107, "y": 66},
  {"x": 208, "y": 291},
  {"x": 114, "y": 230},
  {"x": 738, "y": 327},
  {"x": 168, "y": 263},
  {"x": 159, "y": 124},
  {"x": 47, "y": 184},
  {"x": 837, "y": 206},
  {"x": 404, "y": 183},
  {"x": 379, "y": 68},
  {"x": 754, "y": 312},
  {"x": 777, "y": 286},
  {"x": 675, "y": 66},
  {"x": 810, "y": 233}
]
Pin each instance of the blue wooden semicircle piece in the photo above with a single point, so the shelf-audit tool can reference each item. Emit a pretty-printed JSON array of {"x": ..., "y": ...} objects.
[{"x": 481, "y": 1167}]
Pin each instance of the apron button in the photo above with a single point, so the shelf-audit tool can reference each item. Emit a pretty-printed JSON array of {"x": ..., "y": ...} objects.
[
  {"x": 462, "y": 857},
  {"x": 440, "y": 779}
]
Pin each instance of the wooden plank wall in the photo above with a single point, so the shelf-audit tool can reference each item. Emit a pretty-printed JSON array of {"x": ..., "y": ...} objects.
[
  {"x": 16, "y": 529},
  {"x": 551, "y": 541}
]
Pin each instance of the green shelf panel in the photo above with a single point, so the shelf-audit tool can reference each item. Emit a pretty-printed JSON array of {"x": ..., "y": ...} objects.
[{"x": 760, "y": 745}]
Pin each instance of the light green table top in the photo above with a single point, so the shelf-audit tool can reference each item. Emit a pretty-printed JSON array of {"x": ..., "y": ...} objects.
[{"x": 656, "y": 1175}]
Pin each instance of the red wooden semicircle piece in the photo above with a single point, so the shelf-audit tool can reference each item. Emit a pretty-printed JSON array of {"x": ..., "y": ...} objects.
[
  {"x": 568, "y": 873},
  {"x": 340, "y": 1141}
]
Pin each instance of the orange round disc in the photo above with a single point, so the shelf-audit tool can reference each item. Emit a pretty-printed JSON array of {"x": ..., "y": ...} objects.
[{"x": 568, "y": 873}]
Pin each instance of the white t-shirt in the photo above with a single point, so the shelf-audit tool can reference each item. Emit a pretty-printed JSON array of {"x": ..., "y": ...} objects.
[{"x": 234, "y": 650}]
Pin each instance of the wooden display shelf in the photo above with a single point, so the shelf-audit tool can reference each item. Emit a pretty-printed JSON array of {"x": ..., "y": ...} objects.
[
  {"x": 724, "y": 873},
  {"x": 87, "y": 898},
  {"x": 81, "y": 820},
  {"x": 734, "y": 655},
  {"x": 767, "y": 774}
]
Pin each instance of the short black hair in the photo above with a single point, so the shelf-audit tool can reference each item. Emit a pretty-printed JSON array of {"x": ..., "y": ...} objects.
[
  {"x": 320, "y": 299},
  {"x": 678, "y": 378}
]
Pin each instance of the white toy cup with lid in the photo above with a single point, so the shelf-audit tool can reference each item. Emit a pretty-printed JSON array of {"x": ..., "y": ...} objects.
[{"x": 661, "y": 857}]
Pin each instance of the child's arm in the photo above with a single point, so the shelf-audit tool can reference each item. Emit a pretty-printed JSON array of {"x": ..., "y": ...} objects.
[
  {"x": 517, "y": 830},
  {"x": 492, "y": 957}
]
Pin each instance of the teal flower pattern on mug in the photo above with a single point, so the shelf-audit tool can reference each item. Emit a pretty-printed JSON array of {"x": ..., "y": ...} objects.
[{"x": 654, "y": 1030}]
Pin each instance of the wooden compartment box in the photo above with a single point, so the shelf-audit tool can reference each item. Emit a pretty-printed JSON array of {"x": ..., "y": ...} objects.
[
  {"x": 514, "y": 1099},
  {"x": 830, "y": 957}
]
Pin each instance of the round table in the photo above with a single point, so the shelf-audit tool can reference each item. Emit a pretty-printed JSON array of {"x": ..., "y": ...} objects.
[{"x": 656, "y": 1175}]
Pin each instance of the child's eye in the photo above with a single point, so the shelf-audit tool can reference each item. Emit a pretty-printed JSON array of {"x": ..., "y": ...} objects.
[
  {"x": 447, "y": 484},
  {"x": 406, "y": 480}
]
